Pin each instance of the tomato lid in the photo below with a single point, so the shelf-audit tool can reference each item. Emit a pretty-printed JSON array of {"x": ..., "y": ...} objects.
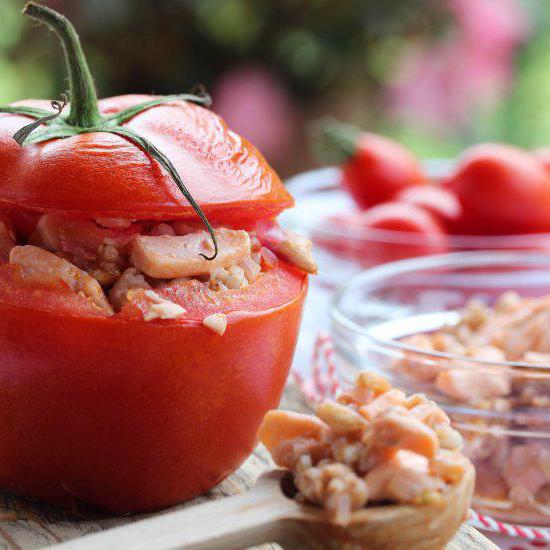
[
  {"x": 136, "y": 156},
  {"x": 103, "y": 174}
]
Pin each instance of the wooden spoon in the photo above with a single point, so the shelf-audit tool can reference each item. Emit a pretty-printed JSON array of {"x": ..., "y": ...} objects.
[{"x": 265, "y": 514}]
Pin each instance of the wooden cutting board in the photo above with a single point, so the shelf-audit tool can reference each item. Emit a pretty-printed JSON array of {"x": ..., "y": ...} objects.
[{"x": 25, "y": 525}]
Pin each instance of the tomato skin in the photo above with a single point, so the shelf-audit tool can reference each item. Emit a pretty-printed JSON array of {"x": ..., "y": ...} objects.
[
  {"x": 104, "y": 175},
  {"x": 438, "y": 201},
  {"x": 502, "y": 190},
  {"x": 388, "y": 232},
  {"x": 132, "y": 416},
  {"x": 398, "y": 216},
  {"x": 379, "y": 169}
]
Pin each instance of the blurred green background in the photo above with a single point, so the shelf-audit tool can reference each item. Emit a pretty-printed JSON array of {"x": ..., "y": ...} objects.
[{"x": 436, "y": 74}]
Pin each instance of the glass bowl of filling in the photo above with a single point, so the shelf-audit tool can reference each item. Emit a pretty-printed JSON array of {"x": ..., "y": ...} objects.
[
  {"x": 470, "y": 330},
  {"x": 325, "y": 212}
]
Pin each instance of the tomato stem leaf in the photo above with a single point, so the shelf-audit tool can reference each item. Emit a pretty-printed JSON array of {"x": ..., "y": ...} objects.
[
  {"x": 32, "y": 112},
  {"x": 23, "y": 133},
  {"x": 334, "y": 141},
  {"x": 127, "y": 114}
]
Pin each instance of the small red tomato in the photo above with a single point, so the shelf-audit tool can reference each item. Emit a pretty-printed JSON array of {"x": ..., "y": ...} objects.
[
  {"x": 398, "y": 216},
  {"x": 387, "y": 232},
  {"x": 374, "y": 168},
  {"x": 438, "y": 201},
  {"x": 502, "y": 189}
]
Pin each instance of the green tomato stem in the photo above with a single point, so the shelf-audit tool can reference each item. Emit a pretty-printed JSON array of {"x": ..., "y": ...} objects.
[{"x": 84, "y": 112}]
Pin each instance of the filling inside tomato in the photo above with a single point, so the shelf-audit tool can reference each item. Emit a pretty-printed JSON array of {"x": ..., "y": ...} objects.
[{"x": 147, "y": 269}]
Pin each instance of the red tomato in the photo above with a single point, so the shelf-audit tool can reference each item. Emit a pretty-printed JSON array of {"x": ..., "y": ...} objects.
[
  {"x": 114, "y": 411},
  {"x": 439, "y": 202},
  {"x": 397, "y": 216},
  {"x": 379, "y": 169},
  {"x": 104, "y": 175},
  {"x": 502, "y": 190},
  {"x": 387, "y": 232},
  {"x": 128, "y": 415}
]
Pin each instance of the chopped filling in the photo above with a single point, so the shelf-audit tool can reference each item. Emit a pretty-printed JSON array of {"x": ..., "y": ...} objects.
[
  {"x": 217, "y": 322},
  {"x": 131, "y": 279},
  {"x": 159, "y": 308},
  {"x": 168, "y": 257},
  {"x": 513, "y": 473},
  {"x": 297, "y": 250},
  {"x": 114, "y": 261},
  {"x": 41, "y": 266},
  {"x": 373, "y": 445}
]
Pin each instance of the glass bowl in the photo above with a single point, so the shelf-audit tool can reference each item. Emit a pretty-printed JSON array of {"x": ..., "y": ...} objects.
[
  {"x": 507, "y": 436},
  {"x": 344, "y": 250}
]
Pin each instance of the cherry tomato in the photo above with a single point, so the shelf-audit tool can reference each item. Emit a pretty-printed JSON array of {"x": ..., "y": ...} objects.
[
  {"x": 379, "y": 169},
  {"x": 440, "y": 202},
  {"x": 387, "y": 232},
  {"x": 502, "y": 190}
]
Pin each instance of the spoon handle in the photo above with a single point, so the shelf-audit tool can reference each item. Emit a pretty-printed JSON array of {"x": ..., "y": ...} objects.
[{"x": 255, "y": 517}]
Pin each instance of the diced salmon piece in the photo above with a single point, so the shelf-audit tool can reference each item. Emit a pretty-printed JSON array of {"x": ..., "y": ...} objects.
[
  {"x": 489, "y": 482},
  {"x": 169, "y": 257},
  {"x": 473, "y": 385},
  {"x": 83, "y": 238},
  {"x": 297, "y": 250},
  {"x": 294, "y": 248},
  {"x": 389, "y": 399},
  {"x": 430, "y": 414},
  {"x": 487, "y": 353},
  {"x": 403, "y": 478},
  {"x": 527, "y": 466},
  {"x": 7, "y": 238},
  {"x": 47, "y": 268},
  {"x": 279, "y": 426},
  {"x": 434, "y": 417},
  {"x": 449, "y": 466},
  {"x": 289, "y": 437},
  {"x": 131, "y": 279},
  {"x": 368, "y": 385},
  {"x": 397, "y": 429}
]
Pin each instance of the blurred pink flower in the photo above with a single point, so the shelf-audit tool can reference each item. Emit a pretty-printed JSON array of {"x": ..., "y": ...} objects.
[
  {"x": 255, "y": 104},
  {"x": 472, "y": 68}
]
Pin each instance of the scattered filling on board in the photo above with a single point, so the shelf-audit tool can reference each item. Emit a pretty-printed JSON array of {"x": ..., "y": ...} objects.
[
  {"x": 513, "y": 470},
  {"x": 113, "y": 261},
  {"x": 373, "y": 445}
]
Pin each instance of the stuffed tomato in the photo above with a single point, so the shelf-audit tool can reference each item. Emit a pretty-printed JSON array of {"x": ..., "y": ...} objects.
[{"x": 149, "y": 302}]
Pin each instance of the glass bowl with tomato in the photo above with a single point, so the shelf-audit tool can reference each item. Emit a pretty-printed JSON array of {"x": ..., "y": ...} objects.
[
  {"x": 470, "y": 330},
  {"x": 149, "y": 301},
  {"x": 381, "y": 204}
]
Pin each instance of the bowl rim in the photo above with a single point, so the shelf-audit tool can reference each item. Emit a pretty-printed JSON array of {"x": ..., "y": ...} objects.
[
  {"x": 410, "y": 265},
  {"x": 327, "y": 179}
]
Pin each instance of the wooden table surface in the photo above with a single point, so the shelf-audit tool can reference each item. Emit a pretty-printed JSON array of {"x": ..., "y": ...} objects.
[{"x": 25, "y": 525}]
